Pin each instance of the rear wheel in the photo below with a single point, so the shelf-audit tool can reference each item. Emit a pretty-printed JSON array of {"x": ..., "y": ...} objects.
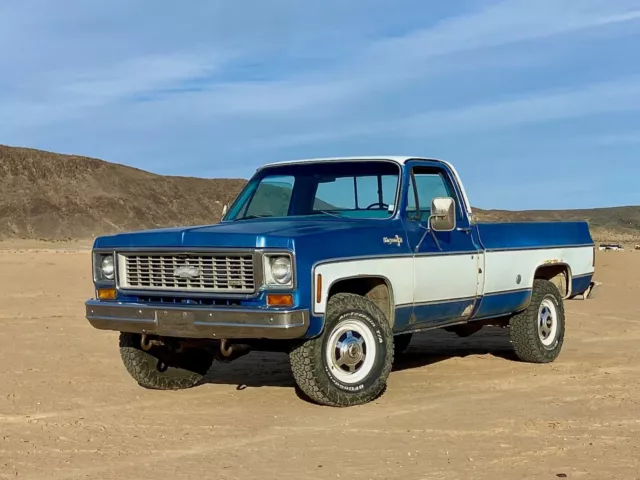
[
  {"x": 350, "y": 362},
  {"x": 537, "y": 333},
  {"x": 161, "y": 367}
]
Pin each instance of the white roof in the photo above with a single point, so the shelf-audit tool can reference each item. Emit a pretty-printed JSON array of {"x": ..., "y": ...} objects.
[
  {"x": 395, "y": 158},
  {"x": 399, "y": 159}
]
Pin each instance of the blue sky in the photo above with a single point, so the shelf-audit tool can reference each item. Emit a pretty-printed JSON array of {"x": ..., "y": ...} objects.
[{"x": 537, "y": 102}]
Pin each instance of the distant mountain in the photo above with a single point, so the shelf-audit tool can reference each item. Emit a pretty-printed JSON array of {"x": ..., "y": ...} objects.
[{"x": 51, "y": 196}]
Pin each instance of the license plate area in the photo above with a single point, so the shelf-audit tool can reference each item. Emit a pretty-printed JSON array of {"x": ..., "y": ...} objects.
[{"x": 174, "y": 320}]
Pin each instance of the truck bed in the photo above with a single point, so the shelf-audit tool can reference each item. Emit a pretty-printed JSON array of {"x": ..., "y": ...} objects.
[
  {"x": 527, "y": 235},
  {"x": 514, "y": 252}
]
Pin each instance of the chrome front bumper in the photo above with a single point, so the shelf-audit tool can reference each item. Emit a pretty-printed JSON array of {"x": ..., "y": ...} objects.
[{"x": 197, "y": 322}]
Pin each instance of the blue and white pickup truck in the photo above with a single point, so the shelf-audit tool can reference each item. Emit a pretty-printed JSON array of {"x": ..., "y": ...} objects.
[{"x": 337, "y": 262}]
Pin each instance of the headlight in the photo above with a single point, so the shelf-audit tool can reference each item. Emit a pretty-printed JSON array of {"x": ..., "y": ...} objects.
[
  {"x": 104, "y": 265},
  {"x": 278, "y": 270},
  {"x": 281, "y": 270},
  {"x": 107, "y": 267}
]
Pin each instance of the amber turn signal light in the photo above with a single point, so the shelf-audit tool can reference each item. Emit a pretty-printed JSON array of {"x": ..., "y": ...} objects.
[
  {"x": 279, "y": 300},
  {"x": 319, "y": 289},
  {"x": 106, "y": 294}
]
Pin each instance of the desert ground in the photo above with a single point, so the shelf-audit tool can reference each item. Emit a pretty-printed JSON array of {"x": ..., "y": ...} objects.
[{"x": 455, "y": 408}]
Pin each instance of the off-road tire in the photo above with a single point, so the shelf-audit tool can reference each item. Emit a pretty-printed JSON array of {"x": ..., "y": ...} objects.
[
  {"x": 401, "y": 343},
  {"x": 183, "y": 370},
  {"x": 310, "y": 366},
  {"x": 523, "y": 326}
]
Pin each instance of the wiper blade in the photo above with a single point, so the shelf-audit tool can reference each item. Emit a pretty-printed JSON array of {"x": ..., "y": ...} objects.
[
  {"x": 249, "y": 217},
  {"x": 333, "y": 214}
]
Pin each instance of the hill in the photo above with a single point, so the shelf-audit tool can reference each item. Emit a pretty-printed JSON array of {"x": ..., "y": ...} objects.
[{"x": 52, "y": 196}]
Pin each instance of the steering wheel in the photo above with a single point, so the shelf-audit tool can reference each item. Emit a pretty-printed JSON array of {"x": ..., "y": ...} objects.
[{"x": 381, "y": 204}]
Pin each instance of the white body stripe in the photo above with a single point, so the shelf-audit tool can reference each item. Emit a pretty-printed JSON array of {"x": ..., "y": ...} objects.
[
  {"x": 444, "y": 277},
  {"x": 437, "y": 278},
  {"x": 398, "y": 270},
  {"x": 502, "y": 268}
]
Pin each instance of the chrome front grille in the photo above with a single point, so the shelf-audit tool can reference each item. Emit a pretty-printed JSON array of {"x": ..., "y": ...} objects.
[{"x": 211, "y": 272}]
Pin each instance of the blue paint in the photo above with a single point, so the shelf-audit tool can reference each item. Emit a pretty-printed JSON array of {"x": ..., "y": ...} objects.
[
  {"x": 523, "y": 235},
  {"x": 497, "y": 304},
  {"x": 316, "y": 325},
  {"x": 402, "y": 317},
  {"x": 320, "y": 238},
  {"x": 580, "y": 284},
  {"x": 431, "y": 314}
]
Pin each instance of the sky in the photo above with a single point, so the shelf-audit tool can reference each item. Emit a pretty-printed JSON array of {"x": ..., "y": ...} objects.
[{"x": 536, "y": 103}]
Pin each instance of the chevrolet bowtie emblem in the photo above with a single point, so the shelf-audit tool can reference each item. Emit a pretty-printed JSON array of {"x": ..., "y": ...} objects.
[{"x": 186, "y": 271}]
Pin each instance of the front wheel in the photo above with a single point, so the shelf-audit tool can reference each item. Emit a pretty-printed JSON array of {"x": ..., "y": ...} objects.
[
  {"x": 349, "y": 363},
  {"x": 537, "y": 333},
  {"x": 162, "y": 368}
]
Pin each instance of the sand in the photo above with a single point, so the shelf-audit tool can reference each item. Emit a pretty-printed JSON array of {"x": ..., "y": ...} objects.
[{"x": 455, "y": 408}]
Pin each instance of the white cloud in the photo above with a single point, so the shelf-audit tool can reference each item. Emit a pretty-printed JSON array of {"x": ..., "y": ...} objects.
[
  {"x": 122, "y": 65},
  {"x": 615, "y": 139},
  {"x": 138, "y": 76},
  {"x": 391, "y": 63},
  {"x": 606, "y": 97},
  {"x": 507, "y": 22}
]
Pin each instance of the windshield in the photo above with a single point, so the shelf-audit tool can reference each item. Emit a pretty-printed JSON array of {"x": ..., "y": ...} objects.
[{"x": 360, "y": 189}]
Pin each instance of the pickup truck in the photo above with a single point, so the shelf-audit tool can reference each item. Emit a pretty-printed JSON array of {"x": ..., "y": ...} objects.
[{"x": 336, "y": 262}]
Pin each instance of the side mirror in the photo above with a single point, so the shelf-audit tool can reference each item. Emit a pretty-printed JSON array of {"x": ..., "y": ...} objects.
[
  {"x": 224, "y": 209},
  {"x": 443, "y": 214}
]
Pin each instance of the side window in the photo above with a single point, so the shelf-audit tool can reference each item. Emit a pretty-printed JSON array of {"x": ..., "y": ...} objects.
[
  {"x": 429, "y": 183},
  {"x": 272, "y": 197}
]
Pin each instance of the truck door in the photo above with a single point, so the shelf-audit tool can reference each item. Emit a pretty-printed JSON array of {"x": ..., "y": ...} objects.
[{"x": 448, "y": 269}]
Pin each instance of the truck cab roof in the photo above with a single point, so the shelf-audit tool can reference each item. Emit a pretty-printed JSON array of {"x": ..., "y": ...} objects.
[{"x": 399, "y": 159}]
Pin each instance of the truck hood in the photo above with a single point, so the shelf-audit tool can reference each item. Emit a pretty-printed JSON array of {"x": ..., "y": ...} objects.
[{"x": 259, "y": 233}]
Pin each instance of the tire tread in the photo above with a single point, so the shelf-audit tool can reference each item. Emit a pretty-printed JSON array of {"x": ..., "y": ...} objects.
[
  {"x": 524, "y": 330},
  {"x": 306, "y": 358},
  {"x": 140, "y": 366}
]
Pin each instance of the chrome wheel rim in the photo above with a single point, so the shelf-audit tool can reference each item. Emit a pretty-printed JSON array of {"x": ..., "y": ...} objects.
[
  {"x": 350, "y": 351},
  {"x": 547, "y": 322}
]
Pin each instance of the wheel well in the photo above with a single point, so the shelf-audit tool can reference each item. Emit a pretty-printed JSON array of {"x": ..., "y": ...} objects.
[
  {"x": 557, "y": 274},
  {"x": 376, "y": 289}
]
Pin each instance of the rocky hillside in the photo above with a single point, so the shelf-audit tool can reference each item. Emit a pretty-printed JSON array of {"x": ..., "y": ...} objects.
[{"x": 51, "y": 196}]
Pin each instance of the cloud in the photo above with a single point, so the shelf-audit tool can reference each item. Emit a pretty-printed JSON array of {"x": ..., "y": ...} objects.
[
  {"x": 506, "y": 22},
  {"x": 616, "y": 139},
  {"x": 616, "y": 96},
  {"x": 145, "y": 63},
  {"x": 388, "y": 64},
  {"x": 606, "y": 97},
  {"x": 141, "y": 75}
]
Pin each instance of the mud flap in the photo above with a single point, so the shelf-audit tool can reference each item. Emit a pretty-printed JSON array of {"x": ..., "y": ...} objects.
[{"x": 591, "y": 291}]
